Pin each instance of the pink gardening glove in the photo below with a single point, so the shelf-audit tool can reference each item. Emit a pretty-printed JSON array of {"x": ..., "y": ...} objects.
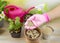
[{"x": 37, "y": 20}]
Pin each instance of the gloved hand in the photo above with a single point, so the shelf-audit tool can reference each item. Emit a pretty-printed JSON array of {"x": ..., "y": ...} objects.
[{"x": 36, "y": 20}]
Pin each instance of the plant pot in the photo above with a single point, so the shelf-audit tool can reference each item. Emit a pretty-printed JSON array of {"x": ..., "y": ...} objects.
[
  {"x": 27, "y": 16},
  {"x": 30, "y": 40},
  {"x": 46, "y": 32},
  {"x": 16, "y": 35},
  {"x": 1, "y": 23}
]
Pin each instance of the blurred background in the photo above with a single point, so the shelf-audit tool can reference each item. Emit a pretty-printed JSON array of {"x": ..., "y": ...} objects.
[{"x": 28, "y": 3}]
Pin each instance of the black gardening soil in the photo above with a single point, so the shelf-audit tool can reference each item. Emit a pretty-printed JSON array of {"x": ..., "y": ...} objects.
[{"x": 16, "y": 35}]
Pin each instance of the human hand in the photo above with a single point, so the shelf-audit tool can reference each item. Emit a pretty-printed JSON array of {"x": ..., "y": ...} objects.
[{"x": 36, "y": 20}]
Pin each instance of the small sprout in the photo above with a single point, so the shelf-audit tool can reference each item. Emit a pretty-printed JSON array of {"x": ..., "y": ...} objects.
[
  {"x": 14, "y": 25},
  {"x": 2, "y": 5}
]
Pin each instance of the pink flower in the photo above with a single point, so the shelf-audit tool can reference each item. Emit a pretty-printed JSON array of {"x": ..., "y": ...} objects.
[{"x": 37, "y": 20}]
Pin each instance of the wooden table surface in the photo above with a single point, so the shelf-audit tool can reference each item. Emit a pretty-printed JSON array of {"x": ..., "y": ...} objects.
[{"x": 6, "y": 38}]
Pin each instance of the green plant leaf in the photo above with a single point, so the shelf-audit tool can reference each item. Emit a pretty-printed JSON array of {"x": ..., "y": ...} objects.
[
  {"x": 0, "y": 19},
  {"x": 14, "y": 25},
  {"x": 6, "y": 18},
  {"x": 33, "y": 11},
  {"x": 10, "y": 20},
  {"x": 45, "y": 7},
  {"x": 40, "y": 9},
  {"x": 17, "y": 23},
  {"x": 11, "y": 24},
  {"x": 0, "y": 12},
  {"x": 4, "y": 3},
  {"x": 11, "y": 27},
  {"x": 39, "y": 12}
]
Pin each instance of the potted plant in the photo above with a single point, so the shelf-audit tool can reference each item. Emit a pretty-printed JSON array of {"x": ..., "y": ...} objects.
[
  {"x": 15, "y": 27},
  {"x": 2, "y": 16},
  {"x": 2, "y": 5},
  {"x": 32, "y": 36},
  {"x": 27, "y": 16},
  {"x": 40, "y": 9},
  {"x": 47, "y": 32}
]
